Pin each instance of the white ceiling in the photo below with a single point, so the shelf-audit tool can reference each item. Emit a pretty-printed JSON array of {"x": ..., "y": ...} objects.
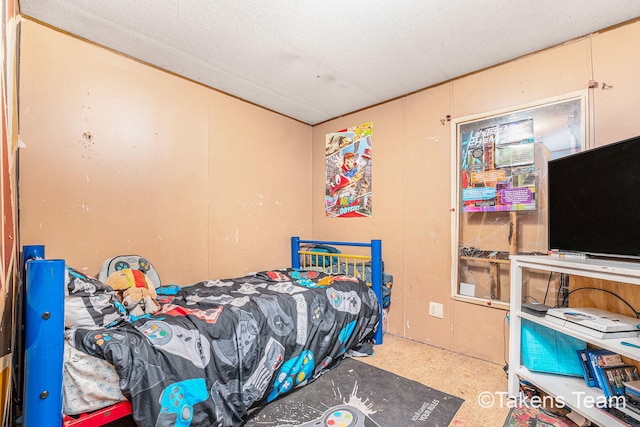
[{"x": 314, "y": 60}]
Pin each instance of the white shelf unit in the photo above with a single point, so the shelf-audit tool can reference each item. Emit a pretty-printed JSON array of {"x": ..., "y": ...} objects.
[{"x": 574, "y": 391}]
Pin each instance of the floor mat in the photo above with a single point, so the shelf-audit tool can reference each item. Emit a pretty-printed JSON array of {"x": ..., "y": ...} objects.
[
  {"x": 535, "y": 417},
  {"x": 359, "y": 395}
]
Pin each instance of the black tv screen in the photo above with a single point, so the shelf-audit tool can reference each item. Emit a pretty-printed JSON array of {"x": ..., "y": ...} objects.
[{"x": 594, "y": 201}]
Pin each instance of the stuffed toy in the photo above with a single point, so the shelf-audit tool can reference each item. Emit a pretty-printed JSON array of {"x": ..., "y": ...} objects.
[
  {"x": 139, "y": 301},
  {"x": 126, "y": 278}
]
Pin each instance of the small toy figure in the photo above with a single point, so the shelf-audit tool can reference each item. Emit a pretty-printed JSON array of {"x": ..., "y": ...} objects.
[{"x": 325, "y": 281}]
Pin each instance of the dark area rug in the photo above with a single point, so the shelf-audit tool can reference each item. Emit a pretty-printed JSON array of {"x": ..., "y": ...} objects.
[{"x": 355, "y": 394}]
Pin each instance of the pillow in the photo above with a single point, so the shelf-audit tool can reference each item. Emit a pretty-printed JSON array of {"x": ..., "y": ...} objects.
[
  {"x": 88, "y": 302},
  {"x": 89, "y": 383},
  {"x": 134, "y": 262}
]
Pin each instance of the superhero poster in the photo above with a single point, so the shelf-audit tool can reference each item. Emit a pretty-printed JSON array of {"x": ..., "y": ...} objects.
[
  {"x": 498, "y": 168},
  {"x": 348, "y": 172}
]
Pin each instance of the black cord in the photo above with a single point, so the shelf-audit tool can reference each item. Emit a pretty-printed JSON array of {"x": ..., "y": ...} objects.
[
  {"x": 564, "y": 300},
  {"x": 544, "y": 301}
]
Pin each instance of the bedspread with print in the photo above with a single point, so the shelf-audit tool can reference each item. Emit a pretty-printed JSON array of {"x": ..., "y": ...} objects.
[{"x": 221, "y": 347}]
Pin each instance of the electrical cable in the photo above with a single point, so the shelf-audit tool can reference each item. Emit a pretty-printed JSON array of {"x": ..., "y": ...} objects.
[
  {"x": 504, "y": 343},
  {"x": 544, "y": 301},
  {"x": 564, "y": 300}
]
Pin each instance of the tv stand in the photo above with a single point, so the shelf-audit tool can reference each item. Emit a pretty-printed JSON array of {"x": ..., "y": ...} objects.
[{"x": 573, "y": 390}]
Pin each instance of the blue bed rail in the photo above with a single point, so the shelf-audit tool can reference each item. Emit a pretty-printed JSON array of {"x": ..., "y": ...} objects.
[
  {"x": 43, "y": 338},
  {"x": 376, "y": 268}
]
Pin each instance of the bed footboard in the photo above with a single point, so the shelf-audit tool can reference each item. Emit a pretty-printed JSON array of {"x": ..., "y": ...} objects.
[{"x": 334, "y": 263}]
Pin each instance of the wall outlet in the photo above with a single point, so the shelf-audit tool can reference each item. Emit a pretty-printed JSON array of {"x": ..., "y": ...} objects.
[{"x": 436, "y": 310}]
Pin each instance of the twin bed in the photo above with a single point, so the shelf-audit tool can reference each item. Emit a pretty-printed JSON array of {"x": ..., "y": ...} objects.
[{"x": 213, "y": 352}]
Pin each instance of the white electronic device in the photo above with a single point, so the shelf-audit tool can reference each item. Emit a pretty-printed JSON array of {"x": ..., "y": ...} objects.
[{"x": 595, "y": 322}]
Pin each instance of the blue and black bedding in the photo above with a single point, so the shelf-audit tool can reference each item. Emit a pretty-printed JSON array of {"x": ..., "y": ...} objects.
[{"x": 219, "y": 348}]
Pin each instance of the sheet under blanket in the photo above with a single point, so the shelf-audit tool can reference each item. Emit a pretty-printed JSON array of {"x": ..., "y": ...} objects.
[{"x": 221, "y": 347}]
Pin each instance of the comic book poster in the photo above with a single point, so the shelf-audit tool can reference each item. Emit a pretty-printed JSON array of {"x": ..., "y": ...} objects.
[
  {"x": 348, "y": 172},
  {"x": 498, "y": 168}
]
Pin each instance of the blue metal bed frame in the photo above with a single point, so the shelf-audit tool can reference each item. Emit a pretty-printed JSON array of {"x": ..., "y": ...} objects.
[
  {"x": 375, "y": 247},
  {"x": 44, "y": 326}
]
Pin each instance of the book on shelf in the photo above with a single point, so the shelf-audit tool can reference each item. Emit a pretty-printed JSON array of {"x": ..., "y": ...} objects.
[
  {"x": 587, "y": 372},
  {"x": 614, "y": 378},
  {"x": 599, "y": 359},
  {"x": 627, "y": 411}
]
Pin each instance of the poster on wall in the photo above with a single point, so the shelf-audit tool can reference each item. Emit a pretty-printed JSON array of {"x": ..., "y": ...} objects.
[
  {"x": 498, "y": 168},
  {"x": 348, "y": 172}
]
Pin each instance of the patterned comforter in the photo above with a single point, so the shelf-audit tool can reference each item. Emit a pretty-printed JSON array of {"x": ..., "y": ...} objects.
[{"x": 219, "y": 348}]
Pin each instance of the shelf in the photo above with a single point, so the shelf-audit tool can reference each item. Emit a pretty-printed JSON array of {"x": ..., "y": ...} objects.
[
  {"x": 614, "y": 270},
  {"x": 574, "y": 393}
]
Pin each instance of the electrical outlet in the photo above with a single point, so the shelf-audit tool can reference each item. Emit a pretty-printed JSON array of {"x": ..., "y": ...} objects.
[{"x": 436, "y": 310}]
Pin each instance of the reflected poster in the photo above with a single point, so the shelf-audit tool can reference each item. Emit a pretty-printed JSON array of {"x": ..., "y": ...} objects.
[{"x": 498, "y": 168}]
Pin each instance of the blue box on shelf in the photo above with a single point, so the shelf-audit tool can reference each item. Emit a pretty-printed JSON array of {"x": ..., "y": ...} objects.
[{"x": 549, "y": 351}]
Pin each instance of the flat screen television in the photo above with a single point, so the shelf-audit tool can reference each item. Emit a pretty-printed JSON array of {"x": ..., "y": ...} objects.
[{"x": 594, "y": 201}]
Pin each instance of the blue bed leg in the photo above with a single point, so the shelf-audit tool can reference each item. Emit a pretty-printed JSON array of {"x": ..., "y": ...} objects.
[
  {"x": 376, "y": 283},
  {"x": 44, "y": 342},
  {"x": 295, "y": 247}
]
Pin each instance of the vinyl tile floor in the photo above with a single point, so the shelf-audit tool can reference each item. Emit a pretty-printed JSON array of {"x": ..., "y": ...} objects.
[{"x": 449, "y": 372}]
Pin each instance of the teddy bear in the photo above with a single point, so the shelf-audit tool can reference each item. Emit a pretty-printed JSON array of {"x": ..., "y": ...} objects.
[
  {"x": 139, "y": 301},
  {"x": 122, "y": 280}
]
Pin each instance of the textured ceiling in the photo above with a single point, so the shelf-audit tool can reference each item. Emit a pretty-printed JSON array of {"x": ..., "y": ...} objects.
[{"x": 314, "y": 60}]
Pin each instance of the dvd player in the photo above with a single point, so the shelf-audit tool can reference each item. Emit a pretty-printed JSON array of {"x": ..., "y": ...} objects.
[{"x": 595, "y": 322}]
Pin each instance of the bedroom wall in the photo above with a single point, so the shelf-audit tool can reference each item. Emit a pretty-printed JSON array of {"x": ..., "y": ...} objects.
[
  {"x": 122, "y": 158},
  {"x": 412, "y": 165}
]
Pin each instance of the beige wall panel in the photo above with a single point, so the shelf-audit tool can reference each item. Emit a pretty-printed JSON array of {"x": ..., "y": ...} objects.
[
  {"x": 480, "y": 331},
  {"x": 551, "y": 73},
  {"x": 616, "y": 62},
  {"x": 427, "y": 216},
  {"x": 114, "y": 160},
  {"x": 386, "y": 222},
  {"x": 173, "y": 170},
  {"x": 260, "y": 176}
]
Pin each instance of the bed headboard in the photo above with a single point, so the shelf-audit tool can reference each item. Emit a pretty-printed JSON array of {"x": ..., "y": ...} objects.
[
  {"x": 336, "y": 262},
  {"x": 43, "y": 337}
]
